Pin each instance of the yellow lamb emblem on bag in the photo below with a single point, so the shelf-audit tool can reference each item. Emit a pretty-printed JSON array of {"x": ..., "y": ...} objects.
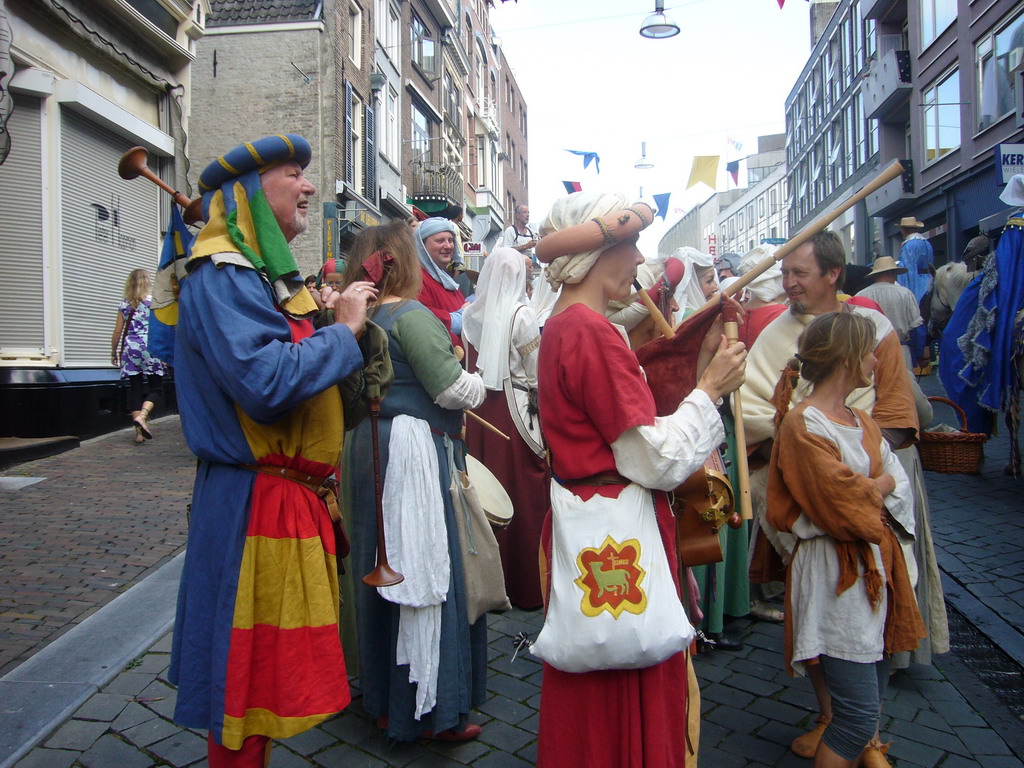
[{"x": 610, "y": 578}]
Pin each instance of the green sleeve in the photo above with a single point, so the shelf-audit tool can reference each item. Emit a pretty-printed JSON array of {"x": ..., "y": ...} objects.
[{"x": 427, "y": 346}]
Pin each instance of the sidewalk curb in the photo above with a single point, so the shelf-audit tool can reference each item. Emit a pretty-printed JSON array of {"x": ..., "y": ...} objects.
[
  {"x": 985, "y": 620},
  {"x": 42, "y": 693}
]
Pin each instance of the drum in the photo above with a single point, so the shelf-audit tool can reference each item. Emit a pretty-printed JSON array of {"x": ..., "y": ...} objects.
[{"x": 493, "y": 497}]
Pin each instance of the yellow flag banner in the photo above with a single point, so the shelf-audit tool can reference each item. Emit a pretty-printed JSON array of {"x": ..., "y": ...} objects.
[{"x": 705, "y": 168}]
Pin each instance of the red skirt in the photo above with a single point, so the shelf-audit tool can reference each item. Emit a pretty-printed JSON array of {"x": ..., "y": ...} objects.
[
  {"x": 629, "y": 718},
  {"x": 524, "y": 476}
]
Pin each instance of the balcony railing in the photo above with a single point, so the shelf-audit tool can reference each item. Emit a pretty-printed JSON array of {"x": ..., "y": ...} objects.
[
  {"x": 436, "y": 181},
  {"x": 891, "y": 199},
  {"x": 887, "y": 84},
  {"x": 489, "y": 115}
]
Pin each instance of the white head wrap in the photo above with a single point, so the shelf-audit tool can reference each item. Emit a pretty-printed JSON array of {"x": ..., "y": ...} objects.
[
  {"x": 568, "y": 212},
  {"x": 487, "y": 322},
  {"x": 768, "y": 285},
  {"x": 544, "y": 297},
  {"x": 726, "y": 282},
  {"x": 1014, "y": 192},
  {"x": 689, "y": 295},
  {"x": 425, "y": 229}
]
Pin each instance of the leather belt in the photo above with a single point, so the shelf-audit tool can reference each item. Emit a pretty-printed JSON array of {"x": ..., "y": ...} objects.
[
  {"x": 601, "y": 478},
  {"x": 325, "y": 488}
]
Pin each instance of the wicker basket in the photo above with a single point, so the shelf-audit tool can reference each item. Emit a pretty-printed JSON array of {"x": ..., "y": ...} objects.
[{"x": 952, "y": 452}]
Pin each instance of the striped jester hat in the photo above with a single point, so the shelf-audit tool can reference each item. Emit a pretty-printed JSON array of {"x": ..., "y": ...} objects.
[{"x": 240, "y": 220}]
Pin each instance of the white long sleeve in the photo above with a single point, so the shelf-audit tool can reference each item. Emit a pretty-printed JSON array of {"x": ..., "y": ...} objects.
[
  {"x": 664, "y": 454},
  {"x": 467, "y": 391}
]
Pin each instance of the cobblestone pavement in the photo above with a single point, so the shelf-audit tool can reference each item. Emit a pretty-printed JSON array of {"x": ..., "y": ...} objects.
[
  {"x": 102, "y": 517},
  {"x": 955, "y": 714},
  {"x": 978, "y": 528}
]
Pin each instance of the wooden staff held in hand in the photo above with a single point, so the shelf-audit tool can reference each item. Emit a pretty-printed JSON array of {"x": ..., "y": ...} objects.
[{"x": 805, "y": 234}]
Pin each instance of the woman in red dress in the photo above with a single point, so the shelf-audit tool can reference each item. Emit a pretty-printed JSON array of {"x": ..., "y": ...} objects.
[{"x": 598, "y": 417}]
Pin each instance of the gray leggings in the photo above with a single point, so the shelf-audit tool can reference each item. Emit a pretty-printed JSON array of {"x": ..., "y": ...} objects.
[{"x": 857, "y": 691}]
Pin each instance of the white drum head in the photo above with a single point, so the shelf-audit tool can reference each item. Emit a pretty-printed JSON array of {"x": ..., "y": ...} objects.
[{"x": 495, "y": 500}]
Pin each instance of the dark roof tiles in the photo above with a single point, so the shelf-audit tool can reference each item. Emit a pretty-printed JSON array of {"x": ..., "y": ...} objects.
[{"x": 229, "y": 12}]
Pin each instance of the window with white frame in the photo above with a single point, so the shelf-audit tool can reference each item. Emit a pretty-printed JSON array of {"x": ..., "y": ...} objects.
[
  {"x": 452, "y": 100},
  {"x": 481, "y": 160},
  {"x": 862, "y": 140},
  {"x": 481, "y": 68},
  {"x": 494, "y": 178},
  {"x": 355, "y": 34},
  {"x": 422, "y": 44},
  {"x": 420, "y": 134},
  {"x": 388, "y": 29},
  {"x": 393, "y": 128},
  {"x": 936, "y": 15},
  {"x": 942, "y": 116},
  {"x": 998, "y": 54},
  {"x": 870, "y": 31}
]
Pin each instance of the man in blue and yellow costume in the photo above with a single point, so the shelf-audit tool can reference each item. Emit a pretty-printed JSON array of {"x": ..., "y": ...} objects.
[{"x": 256, "y": 652}]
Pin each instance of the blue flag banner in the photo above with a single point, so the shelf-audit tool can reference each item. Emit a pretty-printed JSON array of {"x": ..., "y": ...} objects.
[
  {"x": 572, "y": 186},
  {"x": 587, "y": 158},
  {"x": 733, "y": 168},
  {"x": 662, "y": 202},
  {"x": 170, "y": 270}
]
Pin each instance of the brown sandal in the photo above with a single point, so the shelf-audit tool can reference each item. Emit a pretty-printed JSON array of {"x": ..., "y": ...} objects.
[
  {"x": 142, "y": 423},
  {"x": 873, "y": 755},
  {"x": 806, "y": 744}
]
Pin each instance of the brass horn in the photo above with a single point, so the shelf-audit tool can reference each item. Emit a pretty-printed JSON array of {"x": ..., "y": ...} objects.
[
  {"x": 383, "y": 575},
  {"x": 133, "y": 164}
]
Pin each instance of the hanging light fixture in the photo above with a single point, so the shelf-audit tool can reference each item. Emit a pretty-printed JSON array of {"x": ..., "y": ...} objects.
[
  {"x": 643, "y": 163},
  {"x": 657, "y": 25}
]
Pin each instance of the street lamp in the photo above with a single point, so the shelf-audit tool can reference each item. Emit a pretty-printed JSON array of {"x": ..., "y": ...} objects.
[
  {"x": 657, "y": 26},
  {"x": 643, "y": 163}
]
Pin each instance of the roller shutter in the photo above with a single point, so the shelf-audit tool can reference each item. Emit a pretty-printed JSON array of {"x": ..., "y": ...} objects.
[
  {"x": 109, "y": 227},
  {"x": 22, "y": 321}
]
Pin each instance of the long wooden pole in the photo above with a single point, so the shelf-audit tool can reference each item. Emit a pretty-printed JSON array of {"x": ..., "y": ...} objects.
[
  {"x": 732, "y": 332},
  {"x": 805, "y": 234}
]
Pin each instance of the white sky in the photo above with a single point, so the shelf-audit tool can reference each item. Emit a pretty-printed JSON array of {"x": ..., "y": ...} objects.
[{"x": 591, "y": 82}]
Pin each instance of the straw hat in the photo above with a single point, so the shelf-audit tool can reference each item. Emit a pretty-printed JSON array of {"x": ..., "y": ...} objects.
[
  {"x": 886, "y": 264},
  {"x": 911, "y": 222}
]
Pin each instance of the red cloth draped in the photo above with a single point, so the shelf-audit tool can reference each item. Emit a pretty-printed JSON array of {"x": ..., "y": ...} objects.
[{"x": 671, "y": 364}]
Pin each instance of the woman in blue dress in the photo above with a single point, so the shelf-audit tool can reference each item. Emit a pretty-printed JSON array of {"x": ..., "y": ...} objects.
[{"x": 422, "y": 664}]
